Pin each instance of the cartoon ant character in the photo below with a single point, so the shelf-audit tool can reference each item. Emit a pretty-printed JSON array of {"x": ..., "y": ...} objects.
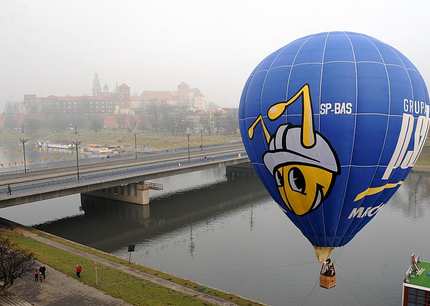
[{"x": 300, "y": 159}]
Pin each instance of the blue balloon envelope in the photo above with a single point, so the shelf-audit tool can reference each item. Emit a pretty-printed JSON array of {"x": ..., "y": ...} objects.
[{"x": 333, "y": 123}]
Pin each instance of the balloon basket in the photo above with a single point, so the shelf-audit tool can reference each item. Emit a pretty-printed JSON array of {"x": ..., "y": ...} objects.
[{"x": 327, "y": 282}]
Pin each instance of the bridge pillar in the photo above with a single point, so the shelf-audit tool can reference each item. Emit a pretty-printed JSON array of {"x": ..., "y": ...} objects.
[
  {"x": 136, "y": 193},
  {"x": 239, "y": 170}
]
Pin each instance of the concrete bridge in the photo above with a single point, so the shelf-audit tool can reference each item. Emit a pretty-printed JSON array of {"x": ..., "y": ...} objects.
[
  {"x": 139, "y": 222},
  {"x": 125, "y": 180}
]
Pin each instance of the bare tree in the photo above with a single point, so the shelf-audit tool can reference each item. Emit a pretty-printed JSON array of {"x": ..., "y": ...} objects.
[{"x": 14, "y": 263}]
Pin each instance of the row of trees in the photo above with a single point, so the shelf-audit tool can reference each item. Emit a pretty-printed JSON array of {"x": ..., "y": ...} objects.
[
  {"x": 174, "y": 120},
  {"x": 155, "y": 117},
  {"x": 54, "y": 122}
]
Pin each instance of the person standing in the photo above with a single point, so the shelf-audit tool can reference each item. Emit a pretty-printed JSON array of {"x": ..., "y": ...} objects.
[
  {"x": 42, "y": 271},
  {"x": 36, "y": 275},
  {"x": 78, "y": 270}
]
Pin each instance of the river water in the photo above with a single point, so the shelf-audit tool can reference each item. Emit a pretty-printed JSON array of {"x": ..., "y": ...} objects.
[{"x": 231, "y": 235}]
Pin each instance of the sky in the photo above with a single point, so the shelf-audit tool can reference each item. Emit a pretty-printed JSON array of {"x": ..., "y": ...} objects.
[{"x": 56, "y": 46}]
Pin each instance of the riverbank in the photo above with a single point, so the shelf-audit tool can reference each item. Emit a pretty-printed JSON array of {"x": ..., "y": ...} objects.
[
  {"x": 421, "y": 168},
  {"x": 119, "y": 137},
  {"x": 11, "y": 147},
  {"x": 132, "y": 283}
]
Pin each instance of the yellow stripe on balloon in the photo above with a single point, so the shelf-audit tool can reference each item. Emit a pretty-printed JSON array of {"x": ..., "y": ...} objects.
[{"x": 374, "y": 190}]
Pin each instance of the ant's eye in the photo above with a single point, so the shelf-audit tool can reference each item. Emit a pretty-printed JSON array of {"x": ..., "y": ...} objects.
[
  {"x": 296, "y": 180},
  {"x": 279, "y": 179}
]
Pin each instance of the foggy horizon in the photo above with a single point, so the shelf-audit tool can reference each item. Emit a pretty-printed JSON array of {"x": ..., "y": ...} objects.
[{"x": 55, "y": 47}]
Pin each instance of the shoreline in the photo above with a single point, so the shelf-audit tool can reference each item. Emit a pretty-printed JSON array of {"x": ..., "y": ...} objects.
[
  {"x": 168, "y": 287},
  {"x": 421, "y": 168}
]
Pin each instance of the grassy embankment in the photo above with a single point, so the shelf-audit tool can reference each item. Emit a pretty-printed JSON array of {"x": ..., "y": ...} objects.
[
  {"x": 122, "y": 138},
  {"x": 114, "y": 282}
]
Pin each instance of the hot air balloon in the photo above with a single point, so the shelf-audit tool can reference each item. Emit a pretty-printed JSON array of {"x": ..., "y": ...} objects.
[{"x": 333, "y": 123}]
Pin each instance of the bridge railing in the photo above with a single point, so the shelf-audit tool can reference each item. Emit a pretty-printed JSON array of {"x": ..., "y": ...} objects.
[
  {"x": 153, "y": 186},
  {"x": 119, "y": 172}
]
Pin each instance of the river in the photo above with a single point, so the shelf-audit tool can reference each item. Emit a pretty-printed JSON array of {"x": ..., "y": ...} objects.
[{"x": 231, "y": 235}]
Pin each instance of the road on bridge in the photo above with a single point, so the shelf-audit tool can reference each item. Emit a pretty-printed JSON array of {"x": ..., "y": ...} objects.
[
  {"x": 123, "y": 172},
  {"x": 88, "y": 163}
]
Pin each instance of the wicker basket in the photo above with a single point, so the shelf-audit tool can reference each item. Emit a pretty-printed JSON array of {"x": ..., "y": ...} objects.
[{"x": 327, "y": 281}]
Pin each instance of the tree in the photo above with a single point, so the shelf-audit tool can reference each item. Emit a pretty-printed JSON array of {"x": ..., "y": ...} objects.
[
  {"x": 14, "y": 263},
  {"x": 10, "y": 116},
  {"x": 10, "y": 121},
  {"x": 55, "y": 122},
  {"x": 32, "y": 124},
  {"x": 96, "y": 124}
]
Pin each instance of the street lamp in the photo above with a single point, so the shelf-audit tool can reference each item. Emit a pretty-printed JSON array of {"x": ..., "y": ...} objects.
[
  {"x": 77, "y": 143},
  {"x": 23, "y": 141},
  {"x": 201, "y": 139},
  {"x": 188, "y": 141},
  {"x": 135, "y": 145}
]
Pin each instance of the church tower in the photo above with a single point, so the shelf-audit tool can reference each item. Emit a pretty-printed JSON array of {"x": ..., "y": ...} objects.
[{"x": 97, "y": 89}]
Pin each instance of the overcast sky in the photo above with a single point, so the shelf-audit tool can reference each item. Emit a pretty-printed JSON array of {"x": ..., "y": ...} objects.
[{"x": 54, "y": 47}]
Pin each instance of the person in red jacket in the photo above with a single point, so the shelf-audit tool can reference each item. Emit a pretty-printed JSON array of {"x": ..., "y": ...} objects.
[{"x": 78, "y": 270}]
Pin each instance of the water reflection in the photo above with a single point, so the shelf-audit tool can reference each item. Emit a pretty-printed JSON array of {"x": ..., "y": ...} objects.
[
  {"x": 58, "y": 208},
  {"x": 232, "y": 236},
  {"x": 413, "y": 197},
  {"x": 109, "y": 224}
]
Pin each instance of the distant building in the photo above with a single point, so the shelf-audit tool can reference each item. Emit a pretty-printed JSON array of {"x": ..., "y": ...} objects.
[
  {"x": 123, "y": 93},
  {"x": 97, "y": 89},
  {"x": 101, "y": 102},
  {"x": 13, "y": 115},
  {"x": 159, "y": 96},
  {"x": 106, "y": 90},
  {"x": 225, "y": 120},
  {"x": 110, "y": 122},
  {"x": 174, "y": 111},
  {"x": 69, "y": 104},
  {"x": 184, "y": 95}
]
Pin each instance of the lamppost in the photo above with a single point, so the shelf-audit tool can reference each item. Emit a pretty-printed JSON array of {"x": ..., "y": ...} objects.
[
  {"x": 77, "y": 143},
  {"x": 135, "y": 145},
  {"x": 201, "y": 139},
  {"x": 188, "y": 141},
  {"x": 23, "y": 141}
]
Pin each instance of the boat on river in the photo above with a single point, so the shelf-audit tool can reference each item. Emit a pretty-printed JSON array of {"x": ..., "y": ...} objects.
[
  {"x": 54, "y": 146},
  {"x": 102, "y": 150},
  {"x": 416, "y": 285}
]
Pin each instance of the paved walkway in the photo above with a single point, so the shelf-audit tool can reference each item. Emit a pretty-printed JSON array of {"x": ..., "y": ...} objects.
[
  {"x": 139, "y": 274},
  {"x": 59, "y": 290}
]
